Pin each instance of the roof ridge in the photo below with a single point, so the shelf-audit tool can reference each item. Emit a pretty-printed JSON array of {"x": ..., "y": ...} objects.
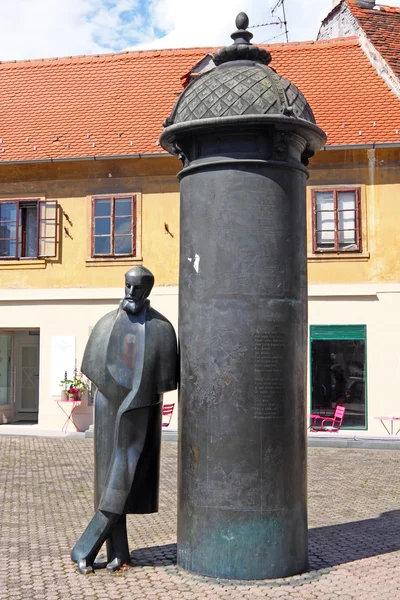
[
  {"x": 377, "y": 8},
  {"x": 331, "y": 12},
  {"x": 343, "y": 40},
  {"x": 122, "y": 53},
  {"x": 172, "y": 51},
  {"x": 387, "y": 8},
  {"x": 354, "y": 4}
]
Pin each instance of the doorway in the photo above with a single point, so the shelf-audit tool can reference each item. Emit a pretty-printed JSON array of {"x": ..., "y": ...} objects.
[
  {"x": 19, "y": 376},
  {"x": 339, "y": 372}
]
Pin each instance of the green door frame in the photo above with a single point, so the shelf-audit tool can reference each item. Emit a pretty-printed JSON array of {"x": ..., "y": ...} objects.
[{"x": 341, "y": 332}]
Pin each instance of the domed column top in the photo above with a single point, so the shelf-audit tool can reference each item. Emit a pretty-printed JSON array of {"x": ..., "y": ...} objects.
[{"x": 241, "y": 91}]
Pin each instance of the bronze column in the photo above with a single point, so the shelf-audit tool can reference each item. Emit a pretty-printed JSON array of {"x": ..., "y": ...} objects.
[{"x": 244, "y": 135}]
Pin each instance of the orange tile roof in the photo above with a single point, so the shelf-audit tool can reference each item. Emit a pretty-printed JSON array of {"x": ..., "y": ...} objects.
[
  {"x": 382, "y": 26},
  {"x": 115, "y": 104},
  {"x": 350, "y": 101}
]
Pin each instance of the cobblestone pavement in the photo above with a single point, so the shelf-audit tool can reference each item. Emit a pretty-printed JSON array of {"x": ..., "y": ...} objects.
[{"x": 46, "y": 501}]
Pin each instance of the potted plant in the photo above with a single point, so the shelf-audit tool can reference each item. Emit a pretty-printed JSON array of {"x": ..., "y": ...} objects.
[{"x": 73, "y": 388}]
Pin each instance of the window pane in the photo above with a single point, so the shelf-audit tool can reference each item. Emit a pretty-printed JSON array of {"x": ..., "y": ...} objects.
[
  {"x": 347, "y": 219},
  {"x": 8, "y": 212},
  {"x": 325, "y": 221},
  {"x": 48, "y": 210},
  {"x": 7, "y": 248},
  {"x": 347, "y": 240},
  {"x": 102, "y": 208},
  {"x": 47, "y": 229},
  {"x": 8, "y": 230},
  {"x": 102, "y": 226},
  {"x": 324, "y": 200},
  {"x": 102, "y": 245},
  {"x": 123, "y": 225},
  {"x": 123, "y": 207},
  {"x": 46, "y": 247},
  {"x": 346, "y": 200},
  {"x": 338, "y": 378},
  {"x": 325, "y": 230},
  {"x": 123, "y": 244}
]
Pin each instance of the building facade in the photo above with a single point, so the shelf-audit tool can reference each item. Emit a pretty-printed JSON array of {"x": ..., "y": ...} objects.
[
  {"x": 86, "y": 193},
  {"x": 105, "y": 220},
  {"x": 354, "y": 294}
]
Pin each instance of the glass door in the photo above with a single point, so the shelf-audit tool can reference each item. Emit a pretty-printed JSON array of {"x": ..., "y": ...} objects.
[
  {"x": 5, "y": 369},
  {"x": 27, "y": 373}
]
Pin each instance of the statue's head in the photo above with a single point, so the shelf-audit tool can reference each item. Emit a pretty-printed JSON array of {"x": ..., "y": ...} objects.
[{"x": 138, "y": 285}]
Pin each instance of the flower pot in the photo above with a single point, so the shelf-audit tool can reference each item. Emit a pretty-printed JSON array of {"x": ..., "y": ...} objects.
[{"x": 72, "y": 396}]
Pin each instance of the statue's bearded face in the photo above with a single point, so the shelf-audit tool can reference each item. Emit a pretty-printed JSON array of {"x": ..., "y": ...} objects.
[{"x": 137, "y": 290}]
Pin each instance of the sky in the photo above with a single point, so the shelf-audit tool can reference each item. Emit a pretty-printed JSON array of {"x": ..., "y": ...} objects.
[{"x": 48, "y": 28}]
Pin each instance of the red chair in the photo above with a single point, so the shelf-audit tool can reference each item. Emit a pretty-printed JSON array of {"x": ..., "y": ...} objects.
[
  {"x": 167, "y": 411},
  {"x": 331, "y": 424}
]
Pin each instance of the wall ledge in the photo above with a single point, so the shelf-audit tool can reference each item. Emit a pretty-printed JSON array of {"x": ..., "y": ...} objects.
[
  {"x": 351, "y": 289},
  {"x": 75, "y": 294},
  {"x": 338, "y": 256}
]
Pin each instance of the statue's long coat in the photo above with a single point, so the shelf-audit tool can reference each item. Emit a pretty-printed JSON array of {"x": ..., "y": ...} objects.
[{"x": 132, "y": 360}]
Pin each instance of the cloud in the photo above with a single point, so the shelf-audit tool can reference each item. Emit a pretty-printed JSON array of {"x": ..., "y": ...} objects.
[
  {"x": 210, "y": 22},
  {"x": 42, "y": 28}
]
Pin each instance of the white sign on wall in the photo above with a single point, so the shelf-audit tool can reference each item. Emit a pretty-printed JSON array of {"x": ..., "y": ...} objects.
[{"x": 63, "y": 359}]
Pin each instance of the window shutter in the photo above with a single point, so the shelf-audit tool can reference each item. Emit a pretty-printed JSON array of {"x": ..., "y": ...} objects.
[
  {"x": 47, "y": 228},
  {"x": 314, "y": 221}
]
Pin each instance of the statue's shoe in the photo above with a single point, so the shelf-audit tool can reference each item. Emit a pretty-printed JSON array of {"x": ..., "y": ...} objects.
[
  {"x": 114, "y": 565},
  {"x": 92, "y": 539},
  {"x": 84, "y": 568}
]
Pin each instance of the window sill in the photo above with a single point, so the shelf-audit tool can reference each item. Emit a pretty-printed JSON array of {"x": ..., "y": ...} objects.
[
  {"x": 23, "y": 263},
  {"x": 107, "y": 262},
  {"x": 341, "y": 256}
]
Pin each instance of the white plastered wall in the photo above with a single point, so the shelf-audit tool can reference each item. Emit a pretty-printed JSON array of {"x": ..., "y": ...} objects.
[
  {"x": 377, "y": 307},
  {"x": 71, "y": 312}
]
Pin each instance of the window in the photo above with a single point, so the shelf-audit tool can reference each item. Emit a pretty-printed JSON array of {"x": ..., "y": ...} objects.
[
  {"x": 28, "y": 229},
  {"x": 336, "y": 220},
  {"x": 114, "y": 226},
  {"x": 338, "y": 372}
]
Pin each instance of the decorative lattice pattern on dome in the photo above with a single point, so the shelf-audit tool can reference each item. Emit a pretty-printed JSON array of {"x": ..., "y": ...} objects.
[
  {"x": 295, "y": 98},
  {"x": 245, "y": 90}
]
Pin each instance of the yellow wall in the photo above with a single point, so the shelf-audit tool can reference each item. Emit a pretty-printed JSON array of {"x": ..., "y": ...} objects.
[
  {"x": 73, "y": 184},
  {"x": 379, "y": 177}
]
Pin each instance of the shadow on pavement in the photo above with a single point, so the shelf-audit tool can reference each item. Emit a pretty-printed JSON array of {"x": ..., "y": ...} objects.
[
  {"x": 154, "y": 556},
  {"x": 329, "y": 546},
  {"x": 339, "y": 544}
]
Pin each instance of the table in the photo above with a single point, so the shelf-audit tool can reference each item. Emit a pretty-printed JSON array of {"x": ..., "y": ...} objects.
[
  {"x": 73, "y": 406},
  {"x": 391, "y": 419}
]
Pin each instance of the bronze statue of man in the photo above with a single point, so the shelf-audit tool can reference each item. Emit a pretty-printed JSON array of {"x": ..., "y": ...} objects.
[{"x": 131, "y": 357}]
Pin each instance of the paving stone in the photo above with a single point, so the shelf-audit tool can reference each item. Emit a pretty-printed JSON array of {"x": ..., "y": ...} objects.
[{"x": 46, "y": 500}]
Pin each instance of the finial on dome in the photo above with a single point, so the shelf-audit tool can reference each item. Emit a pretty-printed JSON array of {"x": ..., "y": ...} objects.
[
  {"x": 242, "y": 21},
  {"x": 242, "y": 49},
  {"x": 242, "y": 36}
]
